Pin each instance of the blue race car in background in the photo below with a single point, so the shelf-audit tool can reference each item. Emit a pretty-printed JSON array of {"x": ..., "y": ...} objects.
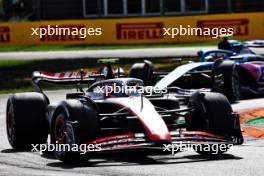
[
  {"x": 237, "y": 48},
  {"x": 234, "y": 72}
]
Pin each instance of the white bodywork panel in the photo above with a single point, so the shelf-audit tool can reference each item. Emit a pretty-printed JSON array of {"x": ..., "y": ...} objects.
[
  {"x": 146, "y": 113},
  {"x": 179, "y": 72}
]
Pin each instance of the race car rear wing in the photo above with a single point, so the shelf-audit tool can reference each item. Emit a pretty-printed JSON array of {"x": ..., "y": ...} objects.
[{"x": 64, "y": 78}]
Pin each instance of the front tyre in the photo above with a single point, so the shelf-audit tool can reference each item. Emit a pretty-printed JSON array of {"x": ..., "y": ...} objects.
[
  {"x": 73, "y": 123},
  {"x": 213, "y": 114}
]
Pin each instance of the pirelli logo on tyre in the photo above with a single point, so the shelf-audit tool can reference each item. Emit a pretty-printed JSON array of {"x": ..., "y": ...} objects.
[
  {"x": 139, "y": 31},
  {"x": 4, "y": 34},
  {"x": 240, "y": 26}
]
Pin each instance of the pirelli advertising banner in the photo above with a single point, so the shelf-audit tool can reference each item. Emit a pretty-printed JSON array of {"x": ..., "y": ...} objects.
[{"x": 134, "y": 30}]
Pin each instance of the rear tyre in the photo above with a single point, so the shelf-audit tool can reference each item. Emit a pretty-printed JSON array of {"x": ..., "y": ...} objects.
[
  {"x": 74, "y": 122},
  {"x": 143, "y": 71},
  {"x": 226, "y": 80},
  {"x": 25, "y": 120},
  {"x": 212, "y": 113}
]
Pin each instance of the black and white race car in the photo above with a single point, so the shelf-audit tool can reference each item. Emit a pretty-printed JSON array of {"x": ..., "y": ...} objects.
[{"x": 117, "y": 120}]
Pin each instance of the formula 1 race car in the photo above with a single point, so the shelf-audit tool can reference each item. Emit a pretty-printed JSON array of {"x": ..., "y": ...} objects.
[
  {"x": 118, "y": 120},
  {"x": 237, "y": 49},
  {"x": 223, "y": 71}
]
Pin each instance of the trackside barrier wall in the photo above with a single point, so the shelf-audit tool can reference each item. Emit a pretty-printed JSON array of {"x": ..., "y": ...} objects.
[{"x": 134, "y": 30}]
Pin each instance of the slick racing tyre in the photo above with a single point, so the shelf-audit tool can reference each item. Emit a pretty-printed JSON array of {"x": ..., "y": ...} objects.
[
  {"x": 25, "y": 120},
  {"x": 73, "y": 122},
  {"x": 212, "y": 113},
  {"x": 143, "y": 71},
  {"x": 225, "y": 80}
]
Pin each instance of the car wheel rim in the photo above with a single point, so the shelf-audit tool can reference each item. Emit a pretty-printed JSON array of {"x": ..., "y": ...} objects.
[{"x": 60, "y": 129}]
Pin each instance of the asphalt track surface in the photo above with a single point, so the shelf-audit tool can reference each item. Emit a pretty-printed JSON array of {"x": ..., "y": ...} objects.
[
  {"x": 247, "y": 159},
  {"x": 116, "y": 53}
]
